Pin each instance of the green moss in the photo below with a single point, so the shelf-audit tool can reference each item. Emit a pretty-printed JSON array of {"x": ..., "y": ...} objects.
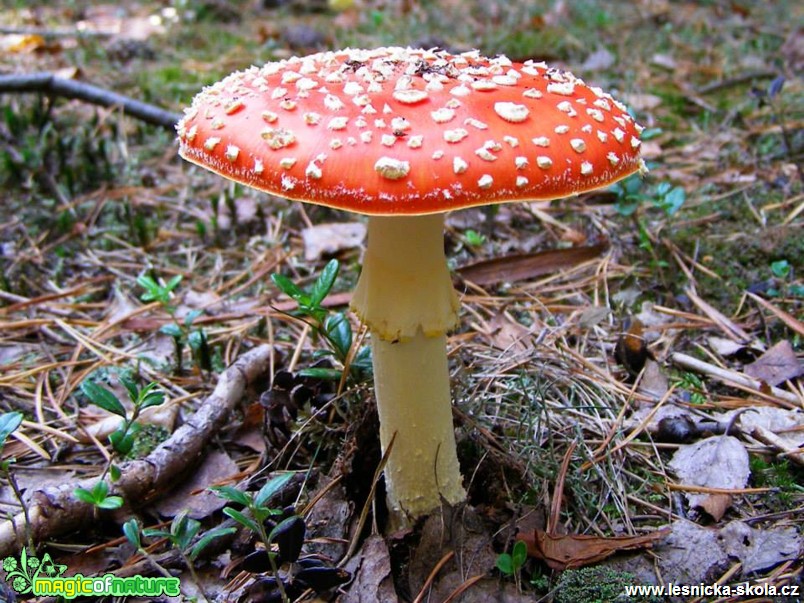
[
  {"x": 148, "y": 438},
  {"x": 736, "y": 250},
  {"x": 781, "y": 477},
  {"x": 597, "y": 584}
]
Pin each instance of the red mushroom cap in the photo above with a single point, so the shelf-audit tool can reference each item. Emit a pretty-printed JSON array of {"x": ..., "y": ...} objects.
[{"x": 404, "y": 131}]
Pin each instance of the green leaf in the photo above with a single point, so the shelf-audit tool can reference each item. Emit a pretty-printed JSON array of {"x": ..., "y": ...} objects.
[
  {"x": 207, "y": 538},
  {"x": 339, "y": 333},
  {"x": 232, "y": 494},
  {"x": 663, "y": 188},
  {"x": 171, "y": 329},
  {"x": 171, "y": 284},
  {"x": 362, "y": 361},
  {"x": 505, "y": 564},
  {"x": 520, "y": 554},
  {"x": 150, "y": 396},
  {"x": 184, "y": 530},
  {"x": 780, "y": 268},
  {"x": 649, "y": 133},
  {"x": 191, "y": 316},
  {"x": 110, "y": 502},
  {"x": 122, "y": 439},
  {"x": 289, "y": 288},
  {"x": 324, "y": 282},
  {"x": 156, "y": 533},
  {"x": 153, "y": 292},
  {"x": 98, "y": 496},
  {"x": 198, "y": 343},
  {"x": 196, "y": 339},
  {"x": 271, "y": 487},
  {"x": 242, "y": 519},
  {"x": 84, "y": 495},
  {"x": 100, "y": 396},
  {"x": 131, "y": 530},
  {"x": 671, "y": 201},
  {"x": 114, "y": 472},
  {"x": 474, "y": 238},
  {"x": 9, "y": 422},
  {"x": 100, "y": 490},
  {"x": 131, "y": 387},
  {"x": 321, "y": 373}
]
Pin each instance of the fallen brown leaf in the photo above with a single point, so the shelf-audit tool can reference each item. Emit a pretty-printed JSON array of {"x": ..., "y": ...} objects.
[
  {"x": 328, "y": 239},
  {"x": 777, "y": 365},
  {"x": 566, "y": 551},
  {"x": 716, "y": 505},
  {"x": 719, "y": 462},
  {"x": 512, "y": 268}
]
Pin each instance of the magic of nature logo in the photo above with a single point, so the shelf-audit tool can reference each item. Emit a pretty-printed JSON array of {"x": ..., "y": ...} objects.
[{"x": 28, "y": 574}]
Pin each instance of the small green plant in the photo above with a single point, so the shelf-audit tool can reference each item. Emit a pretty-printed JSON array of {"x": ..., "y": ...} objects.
[
  {"x": 256, "y": 505},
  {"x": 123, "y": 438},
  {"x": 182, "y": 331},
  {"x": 780, "y": 477},
  {"x": 9, "y": 423},
  {"x": 631, "y": 195},
  {"x": 281, "y": 532},
  {"x": 783, "y": 272},
  {"x": 56, "y": 156},
  {"x": 510, "y": 564},
  {"x": 98, "y": 495},
  {"x": 157, "y": 292},
  {"x": 694, "y": 385},
  {"x": 255, "y": 514},
  {"x": 184, "y": 535},
  {"x": 474, "y": 238},
  {"x": 780, "y": 268},
  {"x": 333, "y": 328}
]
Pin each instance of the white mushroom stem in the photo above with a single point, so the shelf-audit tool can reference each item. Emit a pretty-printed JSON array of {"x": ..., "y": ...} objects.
[{"x": 406, "y": 298}]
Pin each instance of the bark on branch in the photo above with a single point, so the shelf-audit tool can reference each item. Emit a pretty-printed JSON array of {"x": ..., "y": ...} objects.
[
  {"x": 54, "y": 511},
  {"x": 47, "y": 83}
]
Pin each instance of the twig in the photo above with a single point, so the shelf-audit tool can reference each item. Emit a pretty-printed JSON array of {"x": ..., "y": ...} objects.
[
  {"x": 736, "y": 81},
  {"x": 56, "y": 510},
  {"x": 423, "y": 592},
  {"x": 558, "y": 492},
  {"x": 54, "y": 33},
  {"x": 48, "y": 83},
  {"x": 733, "y": 378},
  {"x": 731, "y": 329},
  {"x": 766, "y": 436},
  {"x": 791, "y": 321}
]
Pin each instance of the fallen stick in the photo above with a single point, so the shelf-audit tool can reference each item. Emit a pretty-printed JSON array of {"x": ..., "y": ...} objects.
[
  {"x": 48, "y": 83},
  {"x": 766, "y": 436},
  {"x": 55, "y": 510},
  {"x": 53, "y": 33},
  {"x": 730, "y": 377}
]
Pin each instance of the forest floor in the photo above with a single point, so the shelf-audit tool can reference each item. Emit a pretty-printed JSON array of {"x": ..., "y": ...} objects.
[{"x": 639, "y": 346}]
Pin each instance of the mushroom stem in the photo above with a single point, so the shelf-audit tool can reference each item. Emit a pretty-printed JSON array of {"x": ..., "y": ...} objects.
[{"x": 406, "y": 298}]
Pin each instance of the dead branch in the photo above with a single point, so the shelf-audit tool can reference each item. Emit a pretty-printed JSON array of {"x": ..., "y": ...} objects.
[
  {"x": 48, "y": 83},
  {"x": 730, "y": 377},
  {"x": 53, "y": 511},
  {"x": 54, "y": 33}
]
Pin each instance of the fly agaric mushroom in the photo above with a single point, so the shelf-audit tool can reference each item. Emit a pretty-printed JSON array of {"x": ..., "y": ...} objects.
[{"x": 403, "y": 136}]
